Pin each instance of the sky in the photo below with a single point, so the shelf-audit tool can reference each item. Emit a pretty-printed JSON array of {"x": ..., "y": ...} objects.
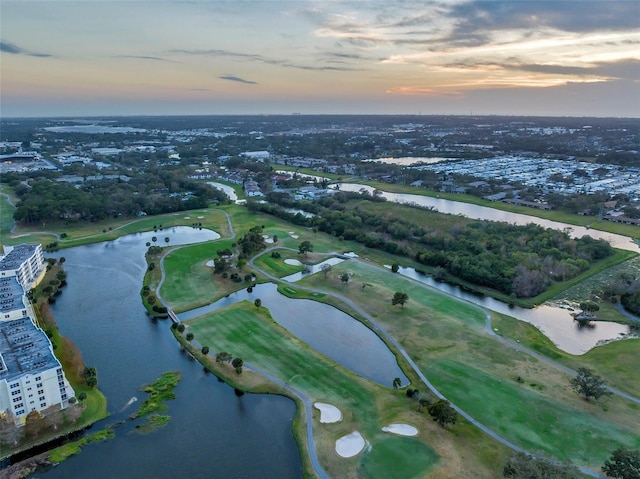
[{"x": 517, "y": 57}]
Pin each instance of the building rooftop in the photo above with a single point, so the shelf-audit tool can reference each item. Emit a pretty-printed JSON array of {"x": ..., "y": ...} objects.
[
  {"x": 24, "y": 349},
  {"x": 18, "y": 255},
  {"x": 11, "y": 294}
]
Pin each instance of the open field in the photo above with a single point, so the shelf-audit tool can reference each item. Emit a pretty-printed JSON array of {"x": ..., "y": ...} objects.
[
  {"x": 249, "y": 332},
  {"x": 451, "y": 347}
]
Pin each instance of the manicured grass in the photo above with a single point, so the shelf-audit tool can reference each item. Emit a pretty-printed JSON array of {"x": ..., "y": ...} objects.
[
  {"x": 189, "y": 282},
  {"x": 544, "y": 424},
  {"x": 277, "y": 266},
  {"x": 6, "y": 213},
  {"x": 617, "y": 362},
  {"x": 399, "y": 457},
  {"x": 249, "y": 332},
  {"x": 435, "y": 331}
]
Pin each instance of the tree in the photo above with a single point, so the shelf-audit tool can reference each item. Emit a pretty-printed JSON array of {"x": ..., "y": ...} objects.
[
  {"x": 258, "y": 302},
  {"x": 325, "y": 269},
  {"x": 154, "y": 239},
  {"x": 223, "y": 357},
  {"x": 181, "y": 328},
  {"x": 205, "y": 350},
  {"x": 523, "y": 466},
  {"x": 623, "y": 464},
  {"x": 442, "y": 412},
  {"x": 275, "y": 238},
  {"x": 82, "y": 396},
  {"x": 395, "y": 267},
  {"x": 189, "y": 336},
  {"x": 397, "y": 382},
  {"x": 305, "y": 247},
  {"x": 237, "y": 363},
  {"x": 166, "y": 239},
  {"x": 344, "y": 277},
  {"x": 399, "y": 298},
  {"x": 33, "y": 424},
  {"x": 589, "y": 384}
]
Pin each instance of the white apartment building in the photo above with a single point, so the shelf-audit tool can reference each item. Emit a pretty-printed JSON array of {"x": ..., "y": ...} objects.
[
  {"x": 31, "y": 377},
  {"x": 25, "y": 262}
]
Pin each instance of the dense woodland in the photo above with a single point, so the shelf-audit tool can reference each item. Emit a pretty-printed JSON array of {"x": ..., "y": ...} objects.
[
  {"x": 515, "y": 260},
  {"x": 43, "y": 200}
]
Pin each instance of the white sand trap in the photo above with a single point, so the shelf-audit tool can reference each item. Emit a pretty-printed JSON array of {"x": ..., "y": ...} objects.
[
  {"x": 401, "y": 429},
  {"x": 210, "y": 263},
  {"x": 267, "y": 239},
  {"x": 328, "y": 412},
  {"x": 295, "y": 236},
  {"x": 187, "y": 217},
  {"x": 291, "y": 232},
  {"x": 200, "y": 217},
  {"x": 293, "y": 262},
  {"x": 350, "y": 445},
  {"x": 350, "y": 254}
]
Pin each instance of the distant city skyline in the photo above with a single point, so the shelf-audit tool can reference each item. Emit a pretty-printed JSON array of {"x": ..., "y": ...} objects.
[{"x": 538, "y": 58}]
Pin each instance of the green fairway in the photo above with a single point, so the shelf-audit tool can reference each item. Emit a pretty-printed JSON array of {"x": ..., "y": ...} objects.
[
  {"x": 398, "y": 458},
  {"x": 189, "y": 281},
  {"x": 447, "y": 339},
  {"x": 530, "y": 418},
  {"x": 248, "y": 332}
]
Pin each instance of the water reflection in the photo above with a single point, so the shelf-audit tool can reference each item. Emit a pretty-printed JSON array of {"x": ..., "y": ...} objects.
[
  {"x": 325, "y": 328},
  {"x": 556, "y": 323},
  {"x": 212, "y": 432},
  {"x": 486, "y": 213}
]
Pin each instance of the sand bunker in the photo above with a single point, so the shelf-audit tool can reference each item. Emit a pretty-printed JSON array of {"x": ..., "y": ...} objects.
[
  {"x": 350, "y": 254},
  {"x": 328, "y": 412},
  {"x": 200, "y": 217},
  {"x": 210, "y": 263},
  {"x": 187, "y": 217},
  {"x": 401, "y": 429},
  {"x": 350, "y": 445},
  {"x": 267, "y": 239},
  {"x": 293, "y": 262}
]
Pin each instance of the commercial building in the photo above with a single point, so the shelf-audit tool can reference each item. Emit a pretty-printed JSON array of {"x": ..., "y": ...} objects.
[{"x": 31, "y": 377}]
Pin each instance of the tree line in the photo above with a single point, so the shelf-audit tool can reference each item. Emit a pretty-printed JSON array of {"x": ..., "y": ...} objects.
[{"x": 515, "y": 260}]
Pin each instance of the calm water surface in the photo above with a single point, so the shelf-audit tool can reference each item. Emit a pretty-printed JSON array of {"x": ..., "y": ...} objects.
[
  {"x": 212, "y": 432},
  {"x": 325, "y": 328},
  {"x": 486, "y": 213}
]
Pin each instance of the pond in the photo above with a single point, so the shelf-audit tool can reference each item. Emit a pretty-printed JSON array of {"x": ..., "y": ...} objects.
[
  {"x": 213, "y": 432},
  {"x": 556, "y": 323},
  {"x": 325, "y": 328}
]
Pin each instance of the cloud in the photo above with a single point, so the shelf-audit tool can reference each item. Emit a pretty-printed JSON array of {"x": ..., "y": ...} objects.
[
  {"x": 7, "y": 47},
  {"x": 259, "y": 58},
  {"x": 145, "y": 57},
  {"x": 579, "y": 16},
  {"x": 237, "y": 79}
]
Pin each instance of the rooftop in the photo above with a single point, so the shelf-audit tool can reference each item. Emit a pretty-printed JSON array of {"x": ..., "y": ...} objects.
[
  {"x": 18, "y": 255},
  {"x": 11, "y": 294},
  {"x": 25, "y": 349}
]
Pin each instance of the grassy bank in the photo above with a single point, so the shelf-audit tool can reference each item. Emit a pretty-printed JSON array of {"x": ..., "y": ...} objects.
[
  {"x": 249, "y": 332},
  {"x": 447, "y": 340}
]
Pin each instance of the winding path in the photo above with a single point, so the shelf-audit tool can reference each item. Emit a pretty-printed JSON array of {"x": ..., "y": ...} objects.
[{"x": 383, "y": 332}]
